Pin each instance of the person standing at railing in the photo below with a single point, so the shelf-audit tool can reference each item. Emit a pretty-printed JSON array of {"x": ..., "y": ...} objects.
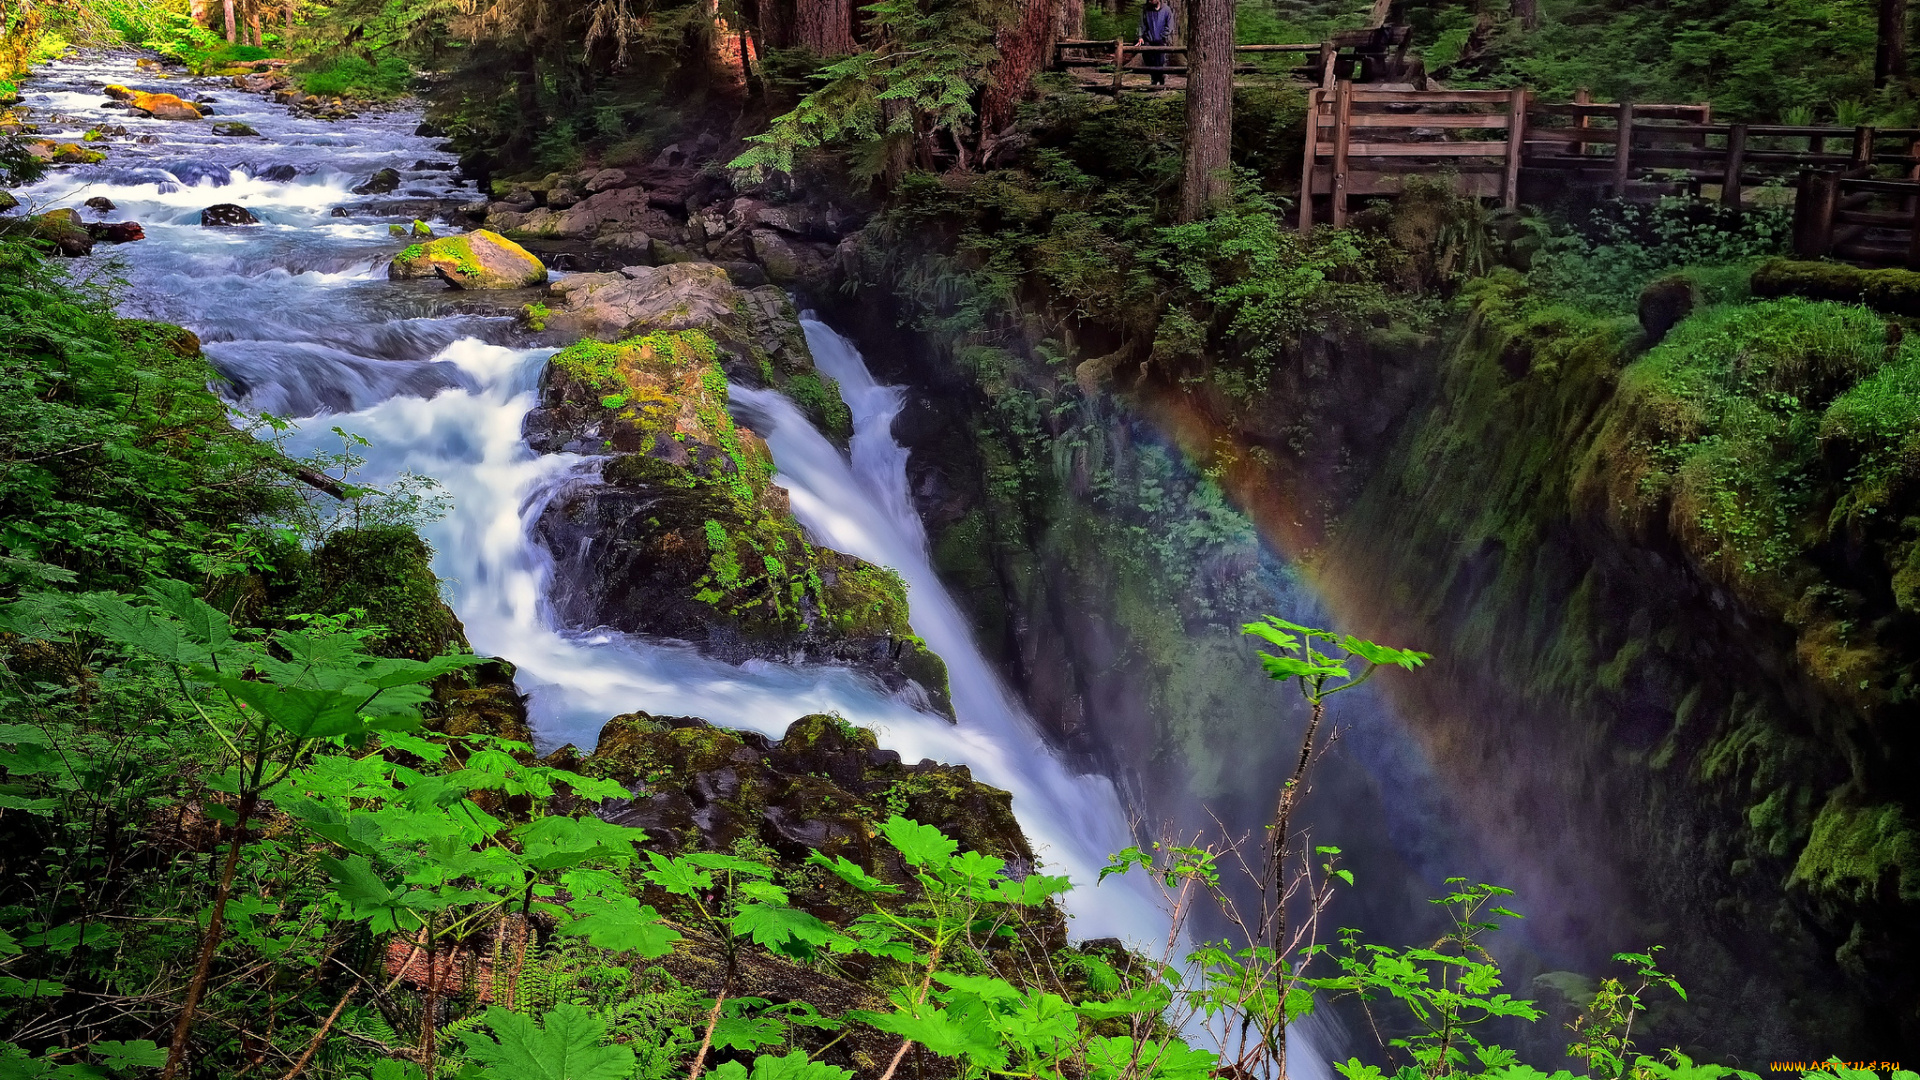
[{"x": 1156, "y": 28}]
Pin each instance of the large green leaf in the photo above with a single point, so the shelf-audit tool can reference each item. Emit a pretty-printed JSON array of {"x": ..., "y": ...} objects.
[
  {"x": 946, "y": 1033},
  {"x": 920, "y": 845},
  {"x": 782, "y": 929},
  {"x": 566, "y": 1044},
  {"x": 303, "y": 713},
  {"x": 851, "y": 873},
  {"x": 794, "y": 1066},
  {"x": 622, "y": 924}
]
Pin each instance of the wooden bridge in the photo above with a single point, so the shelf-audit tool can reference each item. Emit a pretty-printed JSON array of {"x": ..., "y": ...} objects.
[
  {"x": 1374, "y": 54},
  {"x": 1857, "y": 189}
]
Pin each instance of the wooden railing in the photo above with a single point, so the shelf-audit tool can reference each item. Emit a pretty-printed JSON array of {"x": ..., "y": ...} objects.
[
  {"x": 1077, "y": 54},
  {"x": 1846, "y": 214},
  {"x": 1346, "y": 155}
]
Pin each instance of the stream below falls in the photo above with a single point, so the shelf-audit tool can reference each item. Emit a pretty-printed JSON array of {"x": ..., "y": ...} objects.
[{"x": 299, "y": 316}]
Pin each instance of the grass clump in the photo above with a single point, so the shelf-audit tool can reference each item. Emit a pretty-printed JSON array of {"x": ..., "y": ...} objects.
[{"x": 350, "y": 75}]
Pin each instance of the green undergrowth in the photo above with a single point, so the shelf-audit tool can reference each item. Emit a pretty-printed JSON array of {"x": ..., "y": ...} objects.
[{"x": 352, "y": 75}]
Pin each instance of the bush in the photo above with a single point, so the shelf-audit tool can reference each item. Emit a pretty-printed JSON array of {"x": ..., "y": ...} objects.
[{"x": 348, "y": 75}]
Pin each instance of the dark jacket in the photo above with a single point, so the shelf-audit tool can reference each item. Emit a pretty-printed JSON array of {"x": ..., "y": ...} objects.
[{"x": 1156, "y": 26}]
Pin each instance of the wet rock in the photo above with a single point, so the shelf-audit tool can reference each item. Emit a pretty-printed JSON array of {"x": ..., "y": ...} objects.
[
  {"x": 603, "y": 180},
  {"x": 227, "y": 214},
  {"x": 641, "y": 298},
  {"x": 745, "y": 274},
  {"x": 380, "y": 183},
  {"x": 429, "y": 130},
  {"x": 7, "y": 201},
  {"x": 164, "y": 106},
  {"x": 788, "y": 261},
  {"x": 1664, "y": 303},
  {"x": 822, "y": 786},
  {"x": 279, "y": 174},
  {"x": 76, "y": 154},
  {"x": 61, "y": 229},
  {"x": 194, "y": 173},
  {"x": 234, "y": 129},
  {"x": 678, "y": 538},
  {"x": 339, "y": 211},
  {"x": 100, "y": 204},
  {"x": 614, "y": 210},
  {"x": 476, "y": 260},
  {"x": 116, "y": 232},
  {"x": 118, "y": 92}
]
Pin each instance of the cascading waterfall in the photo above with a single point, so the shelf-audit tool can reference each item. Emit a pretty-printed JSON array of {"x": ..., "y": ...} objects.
[{"x": 297, "y": 314}]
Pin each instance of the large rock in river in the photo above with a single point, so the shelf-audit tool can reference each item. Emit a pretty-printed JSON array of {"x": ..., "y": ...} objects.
[
  {"x": 475, "y": 260},
  {"x": 757, "y": 330},
  {"x": 163, "y": 106},
  {"x": 684, "y": 534}
]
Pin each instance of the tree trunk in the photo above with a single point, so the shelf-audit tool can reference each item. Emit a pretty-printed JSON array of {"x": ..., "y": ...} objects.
[
  {"x": 1024, "y": 50},
  {"x": 773, "y": 23},
  {"x": 253, "y": 21},
  {"x": 824, "y": 27},
  {"x": 202, "y": 14},
  {"x": 1206, "y": 181},
  {"x": 233, "y": 23},
  {"x": 1528, "y": 12},
  {"x": 1072, "y": 21},
  {"x": 1890, "y": 55}
]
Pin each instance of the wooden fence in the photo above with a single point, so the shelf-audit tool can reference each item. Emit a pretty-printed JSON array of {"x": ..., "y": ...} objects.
[
  {"x": 1370, "y": 142},
  {"x": 1492, "y": 144},
  {"x": 1371, "y": 54},
  {"x": 1117, "y": 53}
]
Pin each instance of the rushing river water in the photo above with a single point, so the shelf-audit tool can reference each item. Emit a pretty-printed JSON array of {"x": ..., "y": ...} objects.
[{"x": 298, "y": 313}]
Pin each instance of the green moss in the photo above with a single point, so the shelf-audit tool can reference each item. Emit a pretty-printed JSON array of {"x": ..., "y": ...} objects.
[
  {"x": 1866, "y": 853},
  {"x": 1894, "y": 291},
  {"x": 387, "y": 572},
  {"x": 819, "y": 397}
]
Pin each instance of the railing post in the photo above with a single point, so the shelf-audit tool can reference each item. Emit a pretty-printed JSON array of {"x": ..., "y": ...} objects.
[
  {"x": 1623, "y": 150},
  {"x": 1862, "y": 147},
  {"x": 1516, "y": 145},
  {"x": 1813, "y": 209},
  {"x": 1582, "y": 96},
  {"x": 1342, "y": 112},
  {"x": 1736, "y": 162},
  {"x": 1306, "y": 168},
  {"x": 1913, "y": 235},
  {"x": 1119, "y": 65}
]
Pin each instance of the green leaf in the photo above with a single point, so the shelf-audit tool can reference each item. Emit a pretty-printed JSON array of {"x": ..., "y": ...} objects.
[
  {"x": 303, "y": 713},
  {"x": 675, "y": 876},
  {"x": 794, "y": 1066},
  {"x": 782, "y": 929},
  {"x": 920, "y": 845},
  {"x": 1112, "y": 1057},
  {"x": 1382, "y": 654},
  {"x": 747, "y": 1033},
  {"x": 134, "y": 1054},
  {"x": 851, "y": 873},
  {"x": 944, "y": 1032},
  {"x": 623, "y": 925},
  {"x": 566, "y": 1044}
]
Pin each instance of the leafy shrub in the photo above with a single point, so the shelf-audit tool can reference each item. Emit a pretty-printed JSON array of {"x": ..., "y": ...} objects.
[
  {"x": 1623, "y": 246},
  {"x": 351, "y": 75}
]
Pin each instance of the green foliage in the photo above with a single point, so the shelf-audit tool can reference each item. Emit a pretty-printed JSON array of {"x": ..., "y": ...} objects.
[
  {"x": 119, "y": 460},
  {"x": 566, "y": 1044},
  {"x": 1324, "y": 670},
  {"x": 1604, "y": 266},
  {"x": 352, "y": 75},
  {"x": 917, "y": 74},
  {"x": 1753, "y": 59}
]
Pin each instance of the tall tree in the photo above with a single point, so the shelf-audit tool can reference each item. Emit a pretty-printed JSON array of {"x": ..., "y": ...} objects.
[
  {"x": 233, "y": 24},
  {"x": 201, "y": 13},
  {"x": 1205, "y": 179},
  {"x": 1024, "y": 47},
  {"x": 824, "y": 26},
  {"x": 1890, "y": 55}
]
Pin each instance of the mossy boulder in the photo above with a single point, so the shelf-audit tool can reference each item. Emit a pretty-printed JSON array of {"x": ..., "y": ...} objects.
[
  {"x": 162, "y": 106},
  {"x": 62, "y": 229},
  {"x": 824, "y": 785},
  {"x": 475, "y": 260},
  {"x": 685, "y": 535},
  {"x": 757, "y": 330},
  {"x": 1893, "y": 291},
  {"x": 385, "y": 571},
  {"x": 76, "y": 154}
]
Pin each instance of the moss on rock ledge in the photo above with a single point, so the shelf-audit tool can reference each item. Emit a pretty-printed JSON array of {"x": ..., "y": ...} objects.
[{"x": 686, "y": 536}]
